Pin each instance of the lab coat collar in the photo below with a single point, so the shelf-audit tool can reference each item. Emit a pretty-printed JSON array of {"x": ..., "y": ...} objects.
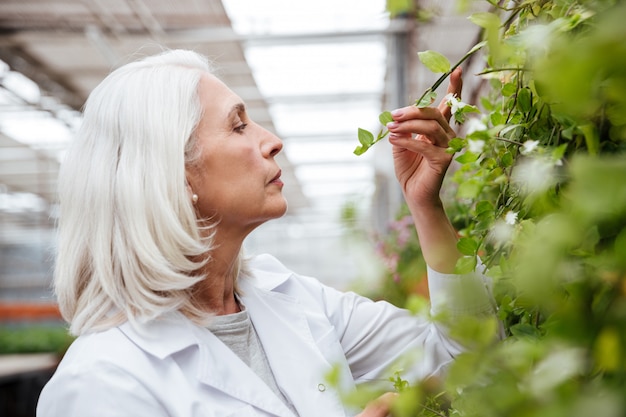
[
  {"x": 267, "y": 272},
  {"x": 174, "y": 333},
  {"x": 163, "y": 336}
]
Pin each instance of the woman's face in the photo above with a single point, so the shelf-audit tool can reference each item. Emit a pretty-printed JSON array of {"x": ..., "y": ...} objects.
[{"x": 236, "y": 178}]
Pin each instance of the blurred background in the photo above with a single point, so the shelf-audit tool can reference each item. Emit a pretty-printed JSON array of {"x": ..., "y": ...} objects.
[{"x": 312, "y": 72}]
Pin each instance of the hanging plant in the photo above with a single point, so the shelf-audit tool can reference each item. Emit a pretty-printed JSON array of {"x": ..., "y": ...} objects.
[{"x": 540, "y": 199}]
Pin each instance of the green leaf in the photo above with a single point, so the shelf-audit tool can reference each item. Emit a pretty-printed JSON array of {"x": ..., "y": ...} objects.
[
  {"x": 507, "y": 159},
  {"x": 365, "y": 137},
  {"x": 385, "y": 117},
  {"x": 509, "y": 89},
  {"x": 607, "y": 349},
  {"x": 522, "y": 330},
  {"x": 469, "y": 108},
  {"x": 399, "y": 7},
  {"x": 465, "y": 265},
  {"x": 456, "y": 144},
  {"x": 467, "y": 246},
  {"x": 489, "y": 164},
  {"x": 483, "y": 207},
  {"x": 480, "y": 134},
  {"x": 360, "y": 150},
  {"x": 469, "y": 189},
  {"x": 467, "y": 157},
  {"x": 417, "y": 304},
  {"x": 434, "y": 61},
  {"x": 476, "y": 47},
  {"x": 427, "y": 99},
  {"x": 474, "y": 331},
  {"x": 559, "y": 152},
  {"x": 591, "y": 138},
  {"x": 509, "y": 128},
  {"x": 485, "y": 20},
  {"x": 497, "y": 118},
  {"x": 524, "y": 100}
]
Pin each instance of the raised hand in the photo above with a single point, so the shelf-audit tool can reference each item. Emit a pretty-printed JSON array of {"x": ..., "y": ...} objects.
[
  {"x": 420, "y": 163},
  {"x": 420, "y": 138}
]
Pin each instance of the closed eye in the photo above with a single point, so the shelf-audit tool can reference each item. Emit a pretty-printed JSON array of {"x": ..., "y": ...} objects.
[{"x": 241, "y": 127}]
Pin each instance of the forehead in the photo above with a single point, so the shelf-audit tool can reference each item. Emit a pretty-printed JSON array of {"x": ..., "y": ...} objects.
[{"x": 216, "y": 97}]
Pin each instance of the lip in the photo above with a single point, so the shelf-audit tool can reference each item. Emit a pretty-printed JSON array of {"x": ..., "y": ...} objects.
[{"x": 276, "y": 179}]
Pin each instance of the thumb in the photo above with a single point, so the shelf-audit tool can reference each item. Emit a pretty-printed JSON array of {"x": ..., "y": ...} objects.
[
  {"x": 380, "y": 407},
  {"x": 454, "y": 87}
]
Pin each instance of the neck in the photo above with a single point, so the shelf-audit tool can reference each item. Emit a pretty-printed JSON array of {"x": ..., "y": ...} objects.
[{"x": 216, "y": 293}]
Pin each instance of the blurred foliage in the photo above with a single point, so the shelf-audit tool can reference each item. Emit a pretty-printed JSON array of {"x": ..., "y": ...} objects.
[
  {"x": 34, "y": 339},
  {"x": 405, "y": 269},
  {"x": 540, "y": 197}
]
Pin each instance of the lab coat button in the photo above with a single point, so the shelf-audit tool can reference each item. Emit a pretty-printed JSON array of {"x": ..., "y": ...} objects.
[{"x": 321, "y": 387}]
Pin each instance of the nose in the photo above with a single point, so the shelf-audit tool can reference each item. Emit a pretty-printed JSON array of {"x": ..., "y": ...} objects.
[{"x": 272, "y": 144}]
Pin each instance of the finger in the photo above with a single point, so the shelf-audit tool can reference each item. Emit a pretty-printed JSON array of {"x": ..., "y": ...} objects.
[
  {"x": 437, "y": 132},
  {"x": 428, "y": 121},
  {"x": 455, "y": 87},
  {"x": 414, "y": 112},
  {"x": 380, "y": 407},
  {"x": 420, "y": 146}
]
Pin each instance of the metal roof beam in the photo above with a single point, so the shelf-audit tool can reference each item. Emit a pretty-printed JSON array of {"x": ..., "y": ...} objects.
[{"x": 227, "y": 34}]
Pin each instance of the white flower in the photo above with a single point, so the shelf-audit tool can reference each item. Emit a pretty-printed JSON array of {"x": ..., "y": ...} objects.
[
  {"x": 474, "y": 125},
  {"x": 510, "y": 218},
  {"x": 458, "y": 105},
  {"x": 475, "y": 146},
  {"x": 533, "y": 175},
  {"x": 501, "y": 233},
  {"x": 533, "y": 38},
  {"x": 454, "y": 102},
  {"x": 529, "y": 146},
  {"x": 448, "y": 97}
]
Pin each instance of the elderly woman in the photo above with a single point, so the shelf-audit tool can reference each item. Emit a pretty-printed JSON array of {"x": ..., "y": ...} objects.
[{"x": 167, "y": 177}]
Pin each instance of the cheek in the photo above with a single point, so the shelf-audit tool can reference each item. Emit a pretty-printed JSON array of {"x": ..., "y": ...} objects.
[
  {"x": 223, "y": 192},
  {"x": 226, "y": 180}
]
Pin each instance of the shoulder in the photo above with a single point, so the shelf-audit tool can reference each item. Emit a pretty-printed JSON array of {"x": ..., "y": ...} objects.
[
  {"x": 96, "y": 367},
  {"x": 130, "y": 347},
  {"x": 268, "y": 264},
  {"x": 95, "y": 351},
  {"x": 267, "y": 273}
]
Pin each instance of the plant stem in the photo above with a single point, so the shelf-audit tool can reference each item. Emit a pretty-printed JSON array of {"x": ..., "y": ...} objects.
[
  {"x": 432, "y": 411},
  {"x": 492, "y": 70},
  {"x": 447, "y": 74},
  {"x": 508, "y": 140}
]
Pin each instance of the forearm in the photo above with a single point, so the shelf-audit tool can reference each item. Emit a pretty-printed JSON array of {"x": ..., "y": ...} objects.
[{"x": 436, "y": 235}]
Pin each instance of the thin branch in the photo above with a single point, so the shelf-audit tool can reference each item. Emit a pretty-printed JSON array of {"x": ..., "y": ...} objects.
[
  {"x": 492, "y": 70},
  {"x": 432, "y": 410},
  {"x": 509, "y": 141}
]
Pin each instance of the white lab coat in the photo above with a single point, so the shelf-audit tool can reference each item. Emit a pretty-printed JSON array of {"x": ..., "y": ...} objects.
[{"x": 172, "y": 367}]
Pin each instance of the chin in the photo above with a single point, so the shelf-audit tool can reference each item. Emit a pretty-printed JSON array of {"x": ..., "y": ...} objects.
[
  {"x": 283, "y": 210},
  {"x": 277, "y": 209}
]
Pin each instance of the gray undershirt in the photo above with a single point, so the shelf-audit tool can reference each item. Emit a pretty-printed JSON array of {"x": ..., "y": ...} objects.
[{"x": 237, "y": 332}]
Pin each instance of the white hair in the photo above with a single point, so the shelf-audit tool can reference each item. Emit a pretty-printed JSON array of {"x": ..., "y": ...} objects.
[{"x": 129, "y": 242}]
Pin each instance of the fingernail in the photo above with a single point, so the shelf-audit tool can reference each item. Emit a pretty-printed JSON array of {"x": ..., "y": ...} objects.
[
  {"x": 392, "y": 125},
  {"x": 397, "y": 112}
]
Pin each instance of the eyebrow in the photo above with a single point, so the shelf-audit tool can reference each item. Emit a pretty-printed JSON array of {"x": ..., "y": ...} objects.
[{"x": 235, "y": 110}]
